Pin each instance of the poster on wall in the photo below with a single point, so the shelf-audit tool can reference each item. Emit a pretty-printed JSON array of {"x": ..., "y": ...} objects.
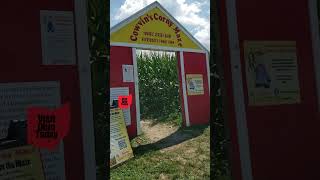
[
  {"x": 21, "y": 163},
  {"x": 114, "y": 94},
  {"x": 120, "y": 147},
  {"x": 194, "y": 84},
  {"x": 14, "y": 100},
  {"x": 57, "y": 37},
  {"x": 127, "y": 73},
  {"x": 271, "y": 72}
]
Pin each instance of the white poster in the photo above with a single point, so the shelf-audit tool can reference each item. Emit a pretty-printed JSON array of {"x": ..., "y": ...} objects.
[
  {"x": 57, "y": 37},
  {"x": 127, "y": 73},
  {"x": 15, "y": 98},
  {"x": 121, "y": 91}
]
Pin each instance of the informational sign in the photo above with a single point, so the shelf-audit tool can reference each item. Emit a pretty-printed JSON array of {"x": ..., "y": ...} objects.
[
  {"x": 58, "y": 37},
  {"x": 114, "y": 97},
  {"x": 21, "y": 163},
  {"x": 272, "y": 72},
  {"x": 127, "y": 73},
  {"x": 15, "y": 98},
  {"x": 154, "y": 27},
  {"x": 120, "y": 147},
  {"x": 47, "y": 127},
  {"x": 124, "y": 102},
  {"x": 194, "y": 84}
]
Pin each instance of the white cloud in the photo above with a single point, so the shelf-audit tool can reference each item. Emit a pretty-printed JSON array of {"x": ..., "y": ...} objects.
[{"x": 187, "y": 13}]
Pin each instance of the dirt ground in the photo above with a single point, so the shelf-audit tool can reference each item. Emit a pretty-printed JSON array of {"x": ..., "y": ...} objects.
[
  {"x": 155, "y": 132},
  {"x": 168, "y": 136}
]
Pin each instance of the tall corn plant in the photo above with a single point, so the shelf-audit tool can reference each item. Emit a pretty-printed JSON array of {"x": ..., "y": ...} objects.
[
  {"x": 158, "y": 85},
  {"x": 98, "y": 29}
]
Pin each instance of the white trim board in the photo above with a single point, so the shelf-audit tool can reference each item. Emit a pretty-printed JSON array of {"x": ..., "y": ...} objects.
[
  {"x": 153, "y": 47},
  {"x": 184, "y": 90},
  {"x": 149, "y": 7},
  {"x": 238, "y": 93},
  {"x": 136, "y": 89},
  {"x": 208, "y": 70},
  {"x": 84, "y": 69},
  {"x": 314, "y": 27}
]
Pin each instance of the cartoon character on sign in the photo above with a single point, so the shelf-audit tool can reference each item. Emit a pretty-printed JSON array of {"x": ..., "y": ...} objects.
[
  {"x": 262, "y": 76},
  {"x": 50, "y": 26},
  {"x": 191, "y": 84}
]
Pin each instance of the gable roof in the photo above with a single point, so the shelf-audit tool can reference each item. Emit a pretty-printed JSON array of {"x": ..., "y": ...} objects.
[{"x": 148, "y": 8}]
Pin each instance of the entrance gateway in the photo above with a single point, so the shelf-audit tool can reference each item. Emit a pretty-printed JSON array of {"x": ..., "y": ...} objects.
[{"x": 153, "y": 28}]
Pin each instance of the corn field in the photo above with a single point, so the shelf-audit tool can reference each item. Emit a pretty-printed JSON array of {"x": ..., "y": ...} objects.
[{"x": 158, "y": 85}]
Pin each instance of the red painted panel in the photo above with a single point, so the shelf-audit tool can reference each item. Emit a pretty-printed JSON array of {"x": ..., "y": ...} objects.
[
  {"x": 198, "y": 105},
  {"x": 21, "y": 59},
  {"x": 280, "y": 134},
  {"x": 118, "y": 57},
  {"x": 283, "y": 139}
]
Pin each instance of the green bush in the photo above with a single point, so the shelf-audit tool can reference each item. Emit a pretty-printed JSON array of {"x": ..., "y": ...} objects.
[{"x": 158, "y": 85}]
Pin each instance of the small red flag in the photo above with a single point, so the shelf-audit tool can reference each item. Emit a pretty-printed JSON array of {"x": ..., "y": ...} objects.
[{"x": 47, "y": 127}]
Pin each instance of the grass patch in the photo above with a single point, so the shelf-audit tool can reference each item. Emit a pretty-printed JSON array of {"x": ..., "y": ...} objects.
[{"x": 187, "y": 160}]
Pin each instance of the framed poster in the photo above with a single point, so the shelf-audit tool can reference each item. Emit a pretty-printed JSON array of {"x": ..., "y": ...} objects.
[
  {"x": 194, "y": 84},
  {"x": 271, "y": 72}
]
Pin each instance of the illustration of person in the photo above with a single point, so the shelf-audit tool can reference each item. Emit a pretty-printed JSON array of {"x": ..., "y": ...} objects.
[
  {"x": 50, "y": 26},
  {"x": 191, "y": 85},
  {"x": 262, "y": 76}
]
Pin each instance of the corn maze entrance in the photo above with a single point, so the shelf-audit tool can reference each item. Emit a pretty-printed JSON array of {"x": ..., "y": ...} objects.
[
  {"x": 160, "y": 97},
  {"x": 153, "y": 28}
]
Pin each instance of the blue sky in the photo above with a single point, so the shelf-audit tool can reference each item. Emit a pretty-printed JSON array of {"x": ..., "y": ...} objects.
[{"x": 194, "y": 15}]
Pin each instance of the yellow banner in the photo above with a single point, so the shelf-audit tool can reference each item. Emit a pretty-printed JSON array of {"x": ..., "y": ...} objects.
[
  {"x": 21, "y": 163},
  {"x": 194, "y": 84},
  {"x": 119, "y": 141},
  {"x": 153, "y": 28}
]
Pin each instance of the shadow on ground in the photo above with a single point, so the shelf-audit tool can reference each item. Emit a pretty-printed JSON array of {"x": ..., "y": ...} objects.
[{"x": 179, "y": 136}]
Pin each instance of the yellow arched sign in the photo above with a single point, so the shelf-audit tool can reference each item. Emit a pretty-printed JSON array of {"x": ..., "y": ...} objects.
[{"x": 153, "y": 27}]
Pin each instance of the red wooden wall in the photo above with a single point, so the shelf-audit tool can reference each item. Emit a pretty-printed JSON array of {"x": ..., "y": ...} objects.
[
  {"x": 283, "y": 139},
  {"x": 198, "y": 105},
  {"x": 118, "y": 57},
  {"x": 21, "y": 61}
]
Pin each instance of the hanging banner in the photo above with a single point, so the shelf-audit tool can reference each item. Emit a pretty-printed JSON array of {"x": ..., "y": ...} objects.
[
  {"x": 21, "y": 163},
  {"x": 120, "y": 147},
  {"x": 272, "y": 72},
  {"x": 194, "y": 84}
]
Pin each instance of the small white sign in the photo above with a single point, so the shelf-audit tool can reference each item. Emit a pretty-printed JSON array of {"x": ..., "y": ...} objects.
[
  {"x": 114, "y": 94},
  {"x": 57, "y": 37},
  {"x": 127, "y": 73}
]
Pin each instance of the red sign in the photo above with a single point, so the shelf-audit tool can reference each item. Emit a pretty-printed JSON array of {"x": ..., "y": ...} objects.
[
  {"x": 124, "y": 102},
  {"x": 47, "y": 127}
]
